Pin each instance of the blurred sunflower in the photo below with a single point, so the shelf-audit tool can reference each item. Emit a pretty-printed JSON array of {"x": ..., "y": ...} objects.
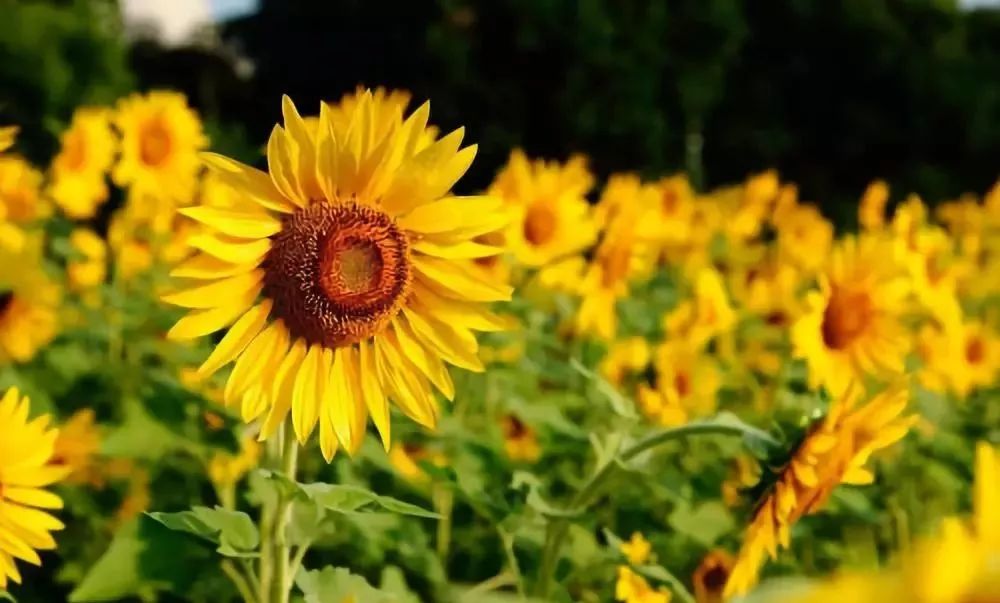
[
  {"x": 90, "y": 268},
  {"x": 78, "y": 170},
  {"x": 633, "y": 588},
  {"x": 359, "y": 254},
  {"x": 705, "y": 315},
  {"x": 625, "y": 357},
  {"x": 406, "y": 459},
  {"x": 850, "y": 328},
  {"x": 225, "y": 469},
  {"x": 551, "y": 218},
  {"x": 834, "y": 451},
  {"x": 619, "y": 259},
  {"x": 687, "y": 381},
  {"x": 804, "y": 237},
  {"x": 26, "y": 448},
  {"x": 77, "y": 447},
  {"x": 160, "y": 140},
  {"x": 28, "y": 303},
  {"x": 21, "y": 201},
  {"x": 871, "y": 210},
  {"x": 711, "y": 575},
  {"x": 520, "y": 441},
  {"x": 958, "y": 358}
]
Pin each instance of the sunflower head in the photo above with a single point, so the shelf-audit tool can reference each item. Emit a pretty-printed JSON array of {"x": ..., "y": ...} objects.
[
  {"x": 86, "y": 153},
  {"x": 160, "y": 140},
  {"x": 29, "y": 303},
  {"x": 551, "y": 216},
  {"x": 348, "y": 282},
  {"x": 26, "y": 468},
  {"x": 850, "y": 328},
  {"x": 711, "y": 575},
  {"x": 21, "y": 201}
]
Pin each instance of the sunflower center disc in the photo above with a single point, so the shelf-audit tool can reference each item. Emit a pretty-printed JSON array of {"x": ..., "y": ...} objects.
[
  {"x": 846, "y": 317},
  {"x": 539, "y": 224},
  {"x": 337, "y": 273},
  {"x": 6, "y": 299},
  {"x": 154, "y": 144}
]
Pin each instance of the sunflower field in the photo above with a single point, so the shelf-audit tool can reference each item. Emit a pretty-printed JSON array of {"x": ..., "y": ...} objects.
[{"x": 324, "y": 377}]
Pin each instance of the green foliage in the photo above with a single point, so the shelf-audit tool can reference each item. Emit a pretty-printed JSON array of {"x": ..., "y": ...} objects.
[
  {"x": 57, "y": 56},
  {"x": 233, "y": 531}
]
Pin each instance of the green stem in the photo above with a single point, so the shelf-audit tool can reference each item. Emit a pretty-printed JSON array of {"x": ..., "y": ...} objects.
[
  {"x": 557, "y": 528},
  {"x": 444, "y": 499},
  {"x": 281, "y": 581},
  {"x": 242, "y": 583}
]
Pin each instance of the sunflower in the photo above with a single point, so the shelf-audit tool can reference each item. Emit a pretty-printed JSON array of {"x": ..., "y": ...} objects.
[
  {"x": 520, "y": 441},
  {"x": 28, "y": 303},
  {"x": 625, "y": 357},
  {"x": 20, "y": 191},
  {"x": 357, "y": 252},
  {"x": 935, "y": 271},
  {"x": 621, "y": 258},
  {"x": 160, "y": 140},
  {"x": 958, "y": 359},
  {"x": 768, "y": 289},
  {"x": 406, "y": 460},
  {"x": 711, "y": 575},
  {"x": 86, "y": 155},
  {"x": 26, "y": 448},
  {"x": 636, "y": 549},
  {"x": 77, "y": 447},
  {"x": 833, "y": 452},
  {"x": 225, "y": 469},
  {"x": 871, "y": 210},
  {"x": 850, "y": 328},
  {"x": 706, "y": 314},
  {"x": 687, "y": 380},
  {"x": 90, "y": 268},
  {"x": 804, "y": 237},
  {"x": 551, "y": 218},
  {"x": 633, "y": 588}
]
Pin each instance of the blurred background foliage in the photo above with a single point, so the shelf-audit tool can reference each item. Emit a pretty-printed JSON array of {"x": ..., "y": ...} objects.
[{"x": 832, "y": 94}]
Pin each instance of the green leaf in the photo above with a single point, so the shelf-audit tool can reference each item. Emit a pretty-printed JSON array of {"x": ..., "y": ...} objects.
[
  {"x": 704, "y": 524},
  {"x": 144, "y": 558},
  {"x": 338, "y": 585},
  {"x": 343, "y": 498},
  {"x": 619, "y": 403},
  {"x": 233, "y": 531},
  {"x": 6, "y": 596},
  {"x": 535, "y": 500}
]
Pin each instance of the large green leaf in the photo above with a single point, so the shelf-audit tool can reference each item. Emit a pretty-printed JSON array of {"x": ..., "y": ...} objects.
[
  {"x": 338, "y": 585},
  {"x": 342, "y": 498},
  {"x": 233, "y": 531},
  {"x": 144, "y": 558}
]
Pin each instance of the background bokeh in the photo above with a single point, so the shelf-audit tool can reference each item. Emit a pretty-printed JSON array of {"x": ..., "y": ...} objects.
[{"x": 832, "y": 94}]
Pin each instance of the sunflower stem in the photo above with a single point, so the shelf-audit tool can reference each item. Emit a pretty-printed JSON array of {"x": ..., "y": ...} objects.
[
  {"x": 557, "y": 528},
  {"x": 281, "y": 580}
]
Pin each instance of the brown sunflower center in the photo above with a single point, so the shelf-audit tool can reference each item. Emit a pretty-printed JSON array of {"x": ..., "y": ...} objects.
[
  {"x": 669, "y": 201},
  {"x": 715, "y": 579},
  {"x": 682, "y": 383},
  {"x": 75, "y": 151},
  {"x": 154, "y": 143},
  {"x": 975, "y": 351},
  {"x": 847, "y": 316},
  {"x": 337, "y": 273},
  {"x": 615, "y": 264},
  {"x": 6, "y": 299},
  {"x": 539, "y": 224}
]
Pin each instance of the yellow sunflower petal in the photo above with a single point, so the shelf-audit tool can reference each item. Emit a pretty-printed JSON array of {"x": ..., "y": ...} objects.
[
  {"x": 237, "y": 224},
  {"x": 236, "y": 339},
  {"x": 210, "y": 295}
]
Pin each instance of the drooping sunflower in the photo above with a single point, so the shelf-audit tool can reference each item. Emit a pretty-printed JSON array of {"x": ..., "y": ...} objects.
[
  {"x": 28, "y": 303},
  {"x": 551, "y": 216},
  {"x": 850, "y": 327},
  {"x": 26, "y": 448},
  {"x": 78, "y": 172},
  {"x": 833, "y": 452},
  {"x": 21, "y": 201},
  {"x": 348, "y": 286},
  {"x": 160, "y": 140}
]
